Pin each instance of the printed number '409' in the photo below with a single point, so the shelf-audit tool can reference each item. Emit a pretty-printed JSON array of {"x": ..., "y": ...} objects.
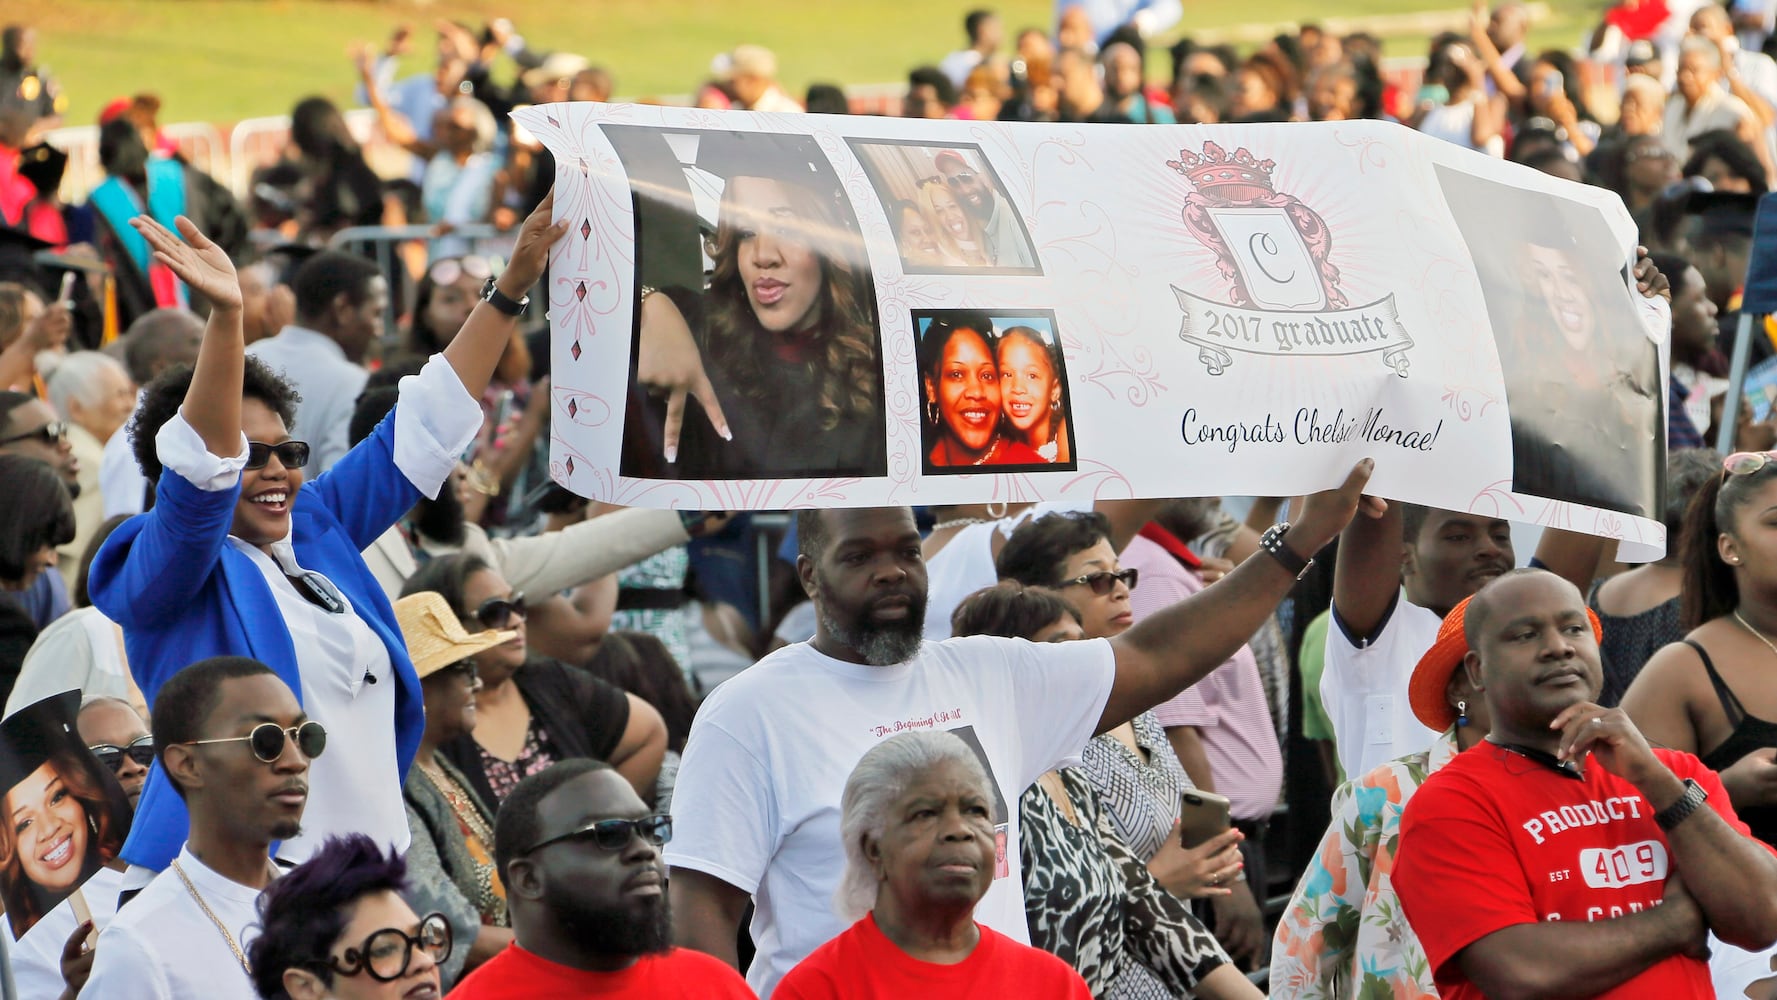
[{"x": 1630, "y": 864}]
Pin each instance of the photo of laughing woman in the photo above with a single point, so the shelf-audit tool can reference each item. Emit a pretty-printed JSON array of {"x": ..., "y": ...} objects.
[
  {"x": 774, "y": 336},
  {"x": 65, "y": 815},
  {"x": 961, "y": 395}
]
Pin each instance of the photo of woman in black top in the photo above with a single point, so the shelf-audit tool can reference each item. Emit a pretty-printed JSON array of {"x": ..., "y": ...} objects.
[{"x": 774, "y": 336}]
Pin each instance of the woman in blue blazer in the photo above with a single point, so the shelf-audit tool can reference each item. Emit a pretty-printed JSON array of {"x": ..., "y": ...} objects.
[{"x": 239, "y": 557}]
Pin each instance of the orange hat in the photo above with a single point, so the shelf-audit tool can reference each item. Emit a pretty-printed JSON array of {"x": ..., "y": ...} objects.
[{"x": 1431, "y": 677}]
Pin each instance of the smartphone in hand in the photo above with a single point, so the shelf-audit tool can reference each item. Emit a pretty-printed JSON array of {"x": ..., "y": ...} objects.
[{"x": 1202, "y": 815}]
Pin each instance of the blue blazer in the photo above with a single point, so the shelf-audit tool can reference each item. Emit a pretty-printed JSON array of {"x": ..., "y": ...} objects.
[{"x": 183, "y": 594}]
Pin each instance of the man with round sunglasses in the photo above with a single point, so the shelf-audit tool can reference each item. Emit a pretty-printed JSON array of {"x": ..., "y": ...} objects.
[
  {"x": 233, "y": 743},
  {"x": 580, "y": 855},
  {"x": 339, "y": 927}
]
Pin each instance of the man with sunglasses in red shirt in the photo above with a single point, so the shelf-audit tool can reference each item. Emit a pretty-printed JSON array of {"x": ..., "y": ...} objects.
[
  {"x": 236, "y": 746},
  {"x": 580, "y": 857}
]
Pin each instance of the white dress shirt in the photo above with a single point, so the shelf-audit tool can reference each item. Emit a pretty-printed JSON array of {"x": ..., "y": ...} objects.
[
  {"x": 37, "y": 957},
  {"x": 163, "y": 946},
  {"x": 329, "y": 384}
]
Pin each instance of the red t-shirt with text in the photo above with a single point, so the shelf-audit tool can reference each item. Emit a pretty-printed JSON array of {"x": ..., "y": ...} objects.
[
  {"x": 863, "y": 964},
  {"x": 680, "y": 974},
  {"x": 1496, "y": 839}
]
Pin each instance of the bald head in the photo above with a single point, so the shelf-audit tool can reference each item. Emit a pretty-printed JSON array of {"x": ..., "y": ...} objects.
[
  {"x": 161, "y": 339},
  {"x": 1505, "y": 592}
]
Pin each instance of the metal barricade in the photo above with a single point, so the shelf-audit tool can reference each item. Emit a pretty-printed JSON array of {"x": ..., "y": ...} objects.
[
  {"x": 81, "y": 143},
  {"x": 391, "y": 246},
  {"x": 202, "y": 146},
  {"x": 254, "y": 143}
]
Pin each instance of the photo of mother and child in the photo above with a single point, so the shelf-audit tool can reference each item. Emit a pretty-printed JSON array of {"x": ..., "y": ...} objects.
[
  {"x": 948, "y": 210},
  {"x": 993, "y": 391}
]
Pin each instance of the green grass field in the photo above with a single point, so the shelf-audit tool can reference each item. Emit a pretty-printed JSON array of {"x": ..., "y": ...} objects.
[{"x": 224, "y": 60}]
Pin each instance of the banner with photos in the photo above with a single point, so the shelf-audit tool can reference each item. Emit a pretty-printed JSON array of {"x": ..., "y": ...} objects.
[
  {"x": 775, "y": 311},
  {"x": 66, "y": 815}
]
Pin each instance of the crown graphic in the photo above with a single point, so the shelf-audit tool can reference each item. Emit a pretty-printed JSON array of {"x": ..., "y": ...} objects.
[{"x": 1234, "y": 177}]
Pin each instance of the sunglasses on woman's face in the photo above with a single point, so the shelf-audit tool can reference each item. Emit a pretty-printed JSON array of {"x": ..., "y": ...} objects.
[
  {"x": 140, "y": 750},
  {"x": 501, "y": 612},
  {"x": 1103, "y": 581},
  {"x": 291, "y": 454},
  {"x": 452, "y": 269},
  {"x": 615, "y": 834},
  {"x": 268, "y": 738},
  {"x": 386, "y": 955}
]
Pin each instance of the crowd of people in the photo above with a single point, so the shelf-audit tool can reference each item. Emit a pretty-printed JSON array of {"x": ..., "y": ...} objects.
[{"x": 390, "y": 714}]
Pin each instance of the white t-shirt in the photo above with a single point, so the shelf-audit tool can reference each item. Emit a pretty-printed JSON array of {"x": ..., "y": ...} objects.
[
  {"x": 1364, "y": 688},
  {"x": 162, "y": 946},
  {"x": 37, "y": 957},
  {"x": 757, "y": 801}
]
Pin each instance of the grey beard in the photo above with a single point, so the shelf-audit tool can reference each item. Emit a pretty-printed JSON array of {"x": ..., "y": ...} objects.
[{"x": 879, "y": 645}]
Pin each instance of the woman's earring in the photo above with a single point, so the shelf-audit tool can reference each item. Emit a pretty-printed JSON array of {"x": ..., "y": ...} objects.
[
  {"x": 92, "y": 823},
  {"x": 932, "y": 412},
  {"x": 1462, "y": 715},
  {"x": 1002, "y": 508}
]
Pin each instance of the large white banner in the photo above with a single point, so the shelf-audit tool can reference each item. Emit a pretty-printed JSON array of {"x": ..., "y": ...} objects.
[{"x": 893, "y": 311}]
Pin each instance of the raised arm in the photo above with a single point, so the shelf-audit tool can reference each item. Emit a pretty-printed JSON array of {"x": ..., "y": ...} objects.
[
  {"x": 213, "y": 403},
  {"x": 475, "y": 351},
  {"x": 1179, "y": 645},
  {"x": 1368, "y": 574}
]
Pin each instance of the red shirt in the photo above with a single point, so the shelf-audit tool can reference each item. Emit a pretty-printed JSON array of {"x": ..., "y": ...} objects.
[
  {"x": 516, "y": 974},
  {"x": 1496, "y": 839},
  {"x": 863, "y": 964}
]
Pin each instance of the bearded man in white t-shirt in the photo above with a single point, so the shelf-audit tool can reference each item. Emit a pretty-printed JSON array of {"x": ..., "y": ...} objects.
[
  {"x": 756, "y": 808},
  {"x": 186, "y": 934}
]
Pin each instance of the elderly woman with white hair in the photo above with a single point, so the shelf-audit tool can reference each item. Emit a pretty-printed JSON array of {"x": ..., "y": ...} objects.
[
  {"x": 917, "y": 818},
  {"x": 95, "y": 397}
]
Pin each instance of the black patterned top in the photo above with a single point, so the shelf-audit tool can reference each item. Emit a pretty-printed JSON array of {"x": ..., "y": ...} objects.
[{"x": 1089, "y": 900}]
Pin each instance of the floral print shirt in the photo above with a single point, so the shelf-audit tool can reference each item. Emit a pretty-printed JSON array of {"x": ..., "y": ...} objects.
[{"x": 1344, "y": 935}]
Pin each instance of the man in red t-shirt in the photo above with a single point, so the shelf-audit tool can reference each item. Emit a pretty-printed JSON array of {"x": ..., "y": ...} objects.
[
  {"x": 580, "y": 856},
  {"x": 1563, "y": 856}
]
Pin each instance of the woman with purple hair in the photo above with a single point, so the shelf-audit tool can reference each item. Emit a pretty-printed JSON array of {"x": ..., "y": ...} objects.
[{"x": 336, "y": 926}]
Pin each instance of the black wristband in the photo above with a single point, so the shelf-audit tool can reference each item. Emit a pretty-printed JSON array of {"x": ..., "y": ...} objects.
[
  {"x": 491, "y": 294},
  {"x": 1272, "y": 542},
  {"x": 1676, "y": 813}
]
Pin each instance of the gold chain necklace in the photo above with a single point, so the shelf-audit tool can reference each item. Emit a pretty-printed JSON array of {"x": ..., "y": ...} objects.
[
  {"x": 1761, "y": 636},
  {"x": 459, "y": 803},
  {"x": 226, "y": 935}
]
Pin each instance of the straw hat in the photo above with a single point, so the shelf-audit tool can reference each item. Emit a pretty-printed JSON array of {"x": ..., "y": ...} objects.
[
  {"x": 435, "y": 638},
  {"x": 1431, "y": 677}
]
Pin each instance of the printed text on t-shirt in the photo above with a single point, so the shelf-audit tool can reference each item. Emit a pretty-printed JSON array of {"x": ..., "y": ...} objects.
[
  {"x": 1593, "y": 813},
  {"x": 928, "y": 721}
]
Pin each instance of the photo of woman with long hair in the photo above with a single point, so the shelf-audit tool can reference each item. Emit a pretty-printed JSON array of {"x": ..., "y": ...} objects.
[
  {"x": 1581, "y": 375},
  {"x": 780, "y": 346},
  {"x": 962, "y": 402},
  {"x": 920, "y": 240},
  {"x": 957, "y": 230},
  {"x": 1031, "y": 391},
  {"x": 65, "y": 816}
]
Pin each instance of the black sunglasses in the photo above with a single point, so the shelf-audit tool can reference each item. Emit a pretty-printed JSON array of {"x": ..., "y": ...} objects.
[
  {"x": 498, "y": 612},
  {"x": 386, "y": 954},
  {"x": 52, "y": 433},
  {"x": 615, "y": 834},
  {"x": 140, "y": 750},
  {"x": 268, "y": 738},
  {"x": 1103, "y": 581},
  {"x": 291, "y": 454}
]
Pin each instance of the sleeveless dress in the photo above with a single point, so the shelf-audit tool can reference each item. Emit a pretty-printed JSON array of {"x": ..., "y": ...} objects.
[
  {"x": 1630, "y": 641},
  {"x": 1750, "y": 733}
]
